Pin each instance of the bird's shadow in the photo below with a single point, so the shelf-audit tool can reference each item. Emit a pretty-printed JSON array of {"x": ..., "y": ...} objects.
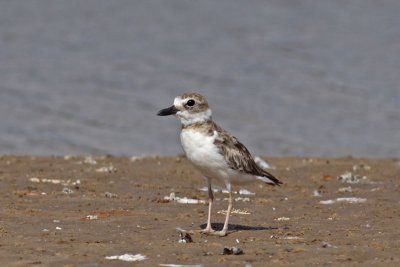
[{"x": 239, "y": 227}]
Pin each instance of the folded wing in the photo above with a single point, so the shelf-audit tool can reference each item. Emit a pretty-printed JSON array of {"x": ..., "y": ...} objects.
[{"x": 239, "y": 158}]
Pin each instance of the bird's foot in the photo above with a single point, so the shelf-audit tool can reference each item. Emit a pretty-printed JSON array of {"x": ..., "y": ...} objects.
[
  {"x": 221, "y": 233},
  {"x": 213, "y": 232},
  {"x": 207, "y": 231}
]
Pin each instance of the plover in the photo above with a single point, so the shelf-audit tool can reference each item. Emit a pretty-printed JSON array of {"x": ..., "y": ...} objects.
[{"x": 214, "y": 151}]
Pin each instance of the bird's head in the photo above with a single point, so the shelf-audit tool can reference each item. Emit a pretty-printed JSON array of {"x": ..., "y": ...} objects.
[{"x": 190, "y": 108}]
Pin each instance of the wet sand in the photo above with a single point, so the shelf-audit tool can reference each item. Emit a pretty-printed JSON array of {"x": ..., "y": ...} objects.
[{"x": 75, "y": 211}]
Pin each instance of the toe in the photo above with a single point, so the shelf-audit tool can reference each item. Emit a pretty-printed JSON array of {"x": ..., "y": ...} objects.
[
  {"x": 221, "y": 233},
  {"x": 207, "y": 231}
]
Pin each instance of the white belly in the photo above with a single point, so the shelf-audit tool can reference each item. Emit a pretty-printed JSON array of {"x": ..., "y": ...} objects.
[{"x": 202, "y": 152}]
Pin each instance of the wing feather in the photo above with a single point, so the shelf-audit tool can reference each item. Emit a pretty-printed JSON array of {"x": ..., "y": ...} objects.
[{"x": 238, "y": 156}]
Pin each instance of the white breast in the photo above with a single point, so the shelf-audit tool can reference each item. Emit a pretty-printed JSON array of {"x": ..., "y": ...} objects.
[{"x": 202, "y": 152}]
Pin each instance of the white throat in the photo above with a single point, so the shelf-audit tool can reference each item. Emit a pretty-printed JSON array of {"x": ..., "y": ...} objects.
[{"x": 191, "y": 118}]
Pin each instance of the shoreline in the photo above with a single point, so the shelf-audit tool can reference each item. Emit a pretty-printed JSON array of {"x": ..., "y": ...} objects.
[{"x": 77, "y": 210}]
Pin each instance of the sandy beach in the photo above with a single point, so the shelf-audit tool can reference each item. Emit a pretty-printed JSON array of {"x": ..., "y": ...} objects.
[{"x": 76, "y": 211}]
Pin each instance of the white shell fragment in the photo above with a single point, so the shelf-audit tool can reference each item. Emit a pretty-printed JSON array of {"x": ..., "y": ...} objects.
[
  {"x": 67, "y": 191},
  {"x": 316, "y": 193},
  {"x": 90, "y": 160},
  {"x": 237, "y": 199},
  {"x": 109, "y": 169},
  {"x": 34, "y": 180},
  {"x": 186, "y": 200},
  {"x": 137, "y": 158},
  {"x": 127, "y": 257},
  {"x": 345, "y": 189},
  {"x": 235, "y": 211},
  {"x": 343, "y": 199},
  {"x": 246, "y": 192},
  {"x": 91, "y": 217},
  {"x": 350, "y": 178},
  {"x": 243, "y": 199},
  {"x": 55, "y": 181},
  {"x": 282, "y": 219}
]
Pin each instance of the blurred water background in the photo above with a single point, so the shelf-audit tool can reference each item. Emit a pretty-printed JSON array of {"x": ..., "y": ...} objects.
[{"x": 287, "y": 77}]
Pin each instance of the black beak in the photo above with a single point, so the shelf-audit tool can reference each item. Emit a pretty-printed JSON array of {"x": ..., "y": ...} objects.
[{"x": 168, "y": 111}]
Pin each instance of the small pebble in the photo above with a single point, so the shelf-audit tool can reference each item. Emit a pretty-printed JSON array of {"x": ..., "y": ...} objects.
[
  {"x": 67, "y": 191},
  {"x": 92, "y": 217},
  {"x": 232, "y": 251},
  {"x": 185, "y": 238},
  {"x": 345, "y": 189},
  {"x": 110, "y": 195},
  {"x": 327, "y": 245},
  {"x": 316, "y": 193}
]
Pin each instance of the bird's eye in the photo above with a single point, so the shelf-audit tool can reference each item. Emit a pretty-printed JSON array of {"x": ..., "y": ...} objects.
[{"x": 190, "y": 102}]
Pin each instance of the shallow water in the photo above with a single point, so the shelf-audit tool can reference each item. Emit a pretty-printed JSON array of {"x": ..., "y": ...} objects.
[{"x": 287, "y": 78}]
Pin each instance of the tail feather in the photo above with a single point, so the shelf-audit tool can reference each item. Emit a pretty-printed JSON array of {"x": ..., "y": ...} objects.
[{"x": 269, "y": 179}]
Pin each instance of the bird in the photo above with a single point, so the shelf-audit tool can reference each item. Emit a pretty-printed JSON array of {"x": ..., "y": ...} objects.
[{"x": 214, "y": 152}]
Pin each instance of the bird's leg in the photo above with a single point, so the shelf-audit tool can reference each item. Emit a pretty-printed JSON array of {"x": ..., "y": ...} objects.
[
  {"x": 224, "y": 230},
  {"x": 208, "y": 228}
]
